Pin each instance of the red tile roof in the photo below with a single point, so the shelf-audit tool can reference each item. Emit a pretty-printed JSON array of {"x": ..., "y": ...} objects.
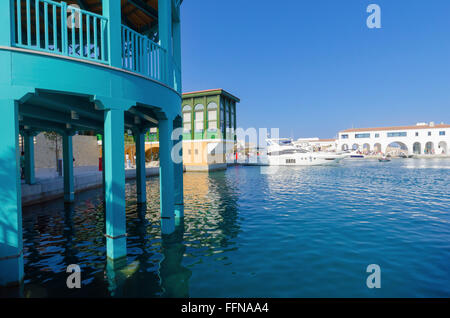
[{"x": 396, "y": 128}]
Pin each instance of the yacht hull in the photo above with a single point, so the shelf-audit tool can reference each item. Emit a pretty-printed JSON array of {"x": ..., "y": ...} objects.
[{"x": 308, "y": 159}]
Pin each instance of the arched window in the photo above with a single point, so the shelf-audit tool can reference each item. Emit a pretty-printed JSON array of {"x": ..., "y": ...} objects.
[
  {"x": 187, "y": 118},
  {"x": 199, "y": 110},
  {"x": 212, "y": 116}
]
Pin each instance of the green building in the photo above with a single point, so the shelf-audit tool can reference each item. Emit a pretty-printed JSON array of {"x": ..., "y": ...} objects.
[{"x": 209, "y": 129}]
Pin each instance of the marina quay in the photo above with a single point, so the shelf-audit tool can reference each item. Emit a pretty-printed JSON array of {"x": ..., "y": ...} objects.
[{"x": 164, "y": 151}]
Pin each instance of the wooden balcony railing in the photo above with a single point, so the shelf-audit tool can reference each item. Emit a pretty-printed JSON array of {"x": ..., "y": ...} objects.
[
  {"x": 55, "y": 27},
  {"x": 143, "y": 56},
  {"x": 58, "y": 28}
]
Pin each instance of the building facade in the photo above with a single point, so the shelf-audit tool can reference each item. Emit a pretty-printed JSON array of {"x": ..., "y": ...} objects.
[
  {"x": 106, "y": 66},
  {"x": 419, "y": 139},
  {"x": 209, "y": 129}
]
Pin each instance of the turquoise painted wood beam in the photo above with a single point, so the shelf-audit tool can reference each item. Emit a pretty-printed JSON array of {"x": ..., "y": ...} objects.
[
  {"x": 112, "y": 11},
  {"x": 177, "y": 43},
  {"x": 11, "y": 242},
  {"x": 69, "y": 190},
  {"x": 165, "y": 37},
  {"x": 166, "y": 177},
  {"x": 65, "y": 103},
  {"x": 139, "y": 137},
  {"x": 115, "y": 184},
  {"x": 148, "y": 116},
  {"x": 34, "y": 111},
  {"x": 28, "y": 143},
  {"x": 153, "y": 112},
  {"x": 103, "y": 166},
  {"x": 42, "y": 125}
]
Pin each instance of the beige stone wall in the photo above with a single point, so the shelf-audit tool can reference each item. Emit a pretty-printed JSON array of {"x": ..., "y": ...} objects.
[
  {"x": 200, "y": 152},
  {"x": 85, "y": 151}
]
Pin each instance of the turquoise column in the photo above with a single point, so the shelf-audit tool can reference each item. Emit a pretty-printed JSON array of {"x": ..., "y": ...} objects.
[
  {"x": 178, "y": 172},
  {"x": 139, "y": 137},
  {"x": 28, "y": 145},
  {"x": 165, "y": 38},
  {"x": 69, "y": 189},
  {"x": 166, "y": 177},
  {"x": 11, "y": 244},
  {"x": 112, "y": 11},
  {"x": 116, "y": 245},
  {"x": 103, "y": 164}
]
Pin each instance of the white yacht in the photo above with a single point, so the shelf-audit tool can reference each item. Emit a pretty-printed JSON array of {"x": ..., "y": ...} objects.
[{"x": 282, "y": 152}]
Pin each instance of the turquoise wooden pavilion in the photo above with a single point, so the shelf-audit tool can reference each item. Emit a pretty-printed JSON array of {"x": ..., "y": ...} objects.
[{"x": 92, "y": 65}]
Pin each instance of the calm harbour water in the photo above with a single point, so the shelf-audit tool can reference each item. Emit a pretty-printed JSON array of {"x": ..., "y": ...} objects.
[{"x": 301, "y": 232}]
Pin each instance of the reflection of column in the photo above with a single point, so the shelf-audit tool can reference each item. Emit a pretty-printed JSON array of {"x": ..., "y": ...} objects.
[
  {"x": 11, "y": 243},
  {"x": 173, "y": 275},
  {"x": 28, "y": 144},
  {"x": 116, "y": 244},
  {"x": 139, "y": 138},
  {"x": 115, "y": 277},
  {"x": 69, "y": 233},
  {"x": 69, "y": 191},
  {"x": 166, "y": 176}
]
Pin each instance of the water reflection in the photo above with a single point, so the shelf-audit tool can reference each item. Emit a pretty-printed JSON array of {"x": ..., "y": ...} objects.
[
  {"x": 57, "y": 235},
  {"x": 174, "y": 277}
]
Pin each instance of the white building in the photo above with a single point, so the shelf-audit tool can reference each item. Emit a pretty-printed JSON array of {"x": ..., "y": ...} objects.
[{"x": 421, "y": 139}]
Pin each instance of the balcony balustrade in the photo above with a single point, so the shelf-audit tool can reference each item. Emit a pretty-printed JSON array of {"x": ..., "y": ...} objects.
[{"x": 62, "y": 29}]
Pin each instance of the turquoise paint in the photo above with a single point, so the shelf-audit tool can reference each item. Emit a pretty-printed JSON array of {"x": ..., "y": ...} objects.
[
  {"x": 63, "y": 47},
  {"x": 32, "y": 64},
  {"x": 165, "y": 37},
  {"x": 141, "y": 55},
  {"x": 7, "y": 23},
  {"x": 11, "y": 245},
  {"x": 103, "y": 166},
  {"x": 112, "y": 13},
  {"x": 69, "y": 191},
  {"x": 178, "y": 173},
  {"x": 115, "y": 183},
  {"x": 28, "y": 143},
  {"x": 166, "y": 173},
  {"x": 139, "y": 136}
]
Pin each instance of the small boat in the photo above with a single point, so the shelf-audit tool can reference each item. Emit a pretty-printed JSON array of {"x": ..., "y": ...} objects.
[{"x": 384, "y": 159}]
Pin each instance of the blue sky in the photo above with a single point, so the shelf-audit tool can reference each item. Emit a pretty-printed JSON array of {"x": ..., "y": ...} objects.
[{"x": 312, "y": 67}]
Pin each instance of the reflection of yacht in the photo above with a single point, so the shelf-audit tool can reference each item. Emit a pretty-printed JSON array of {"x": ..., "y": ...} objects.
[{"x": 282, "y": 152}]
